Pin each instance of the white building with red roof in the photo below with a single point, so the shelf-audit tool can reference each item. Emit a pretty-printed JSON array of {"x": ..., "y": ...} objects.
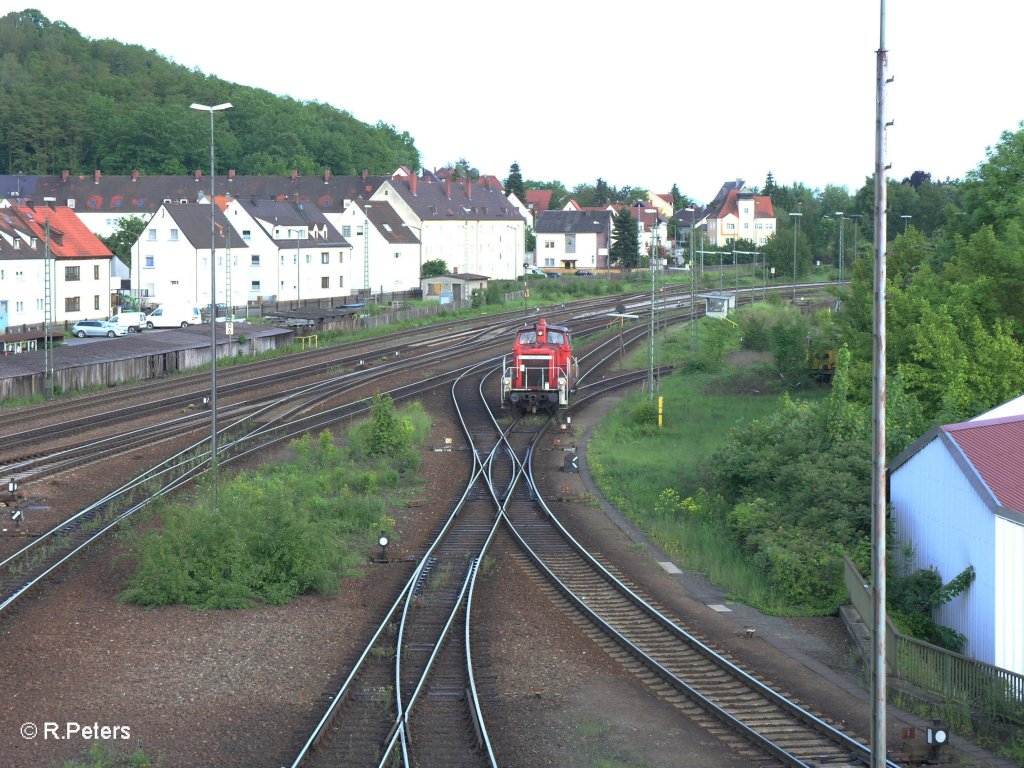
[
  {"x": 80, "y": 265},
  {"x": 739, "y": 214},
  {"x": 957, "y": 496}
]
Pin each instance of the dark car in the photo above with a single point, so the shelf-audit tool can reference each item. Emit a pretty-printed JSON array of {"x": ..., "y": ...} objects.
[
  {"x": 552, "y": 274},
  {"x": 584, "y": 273}
]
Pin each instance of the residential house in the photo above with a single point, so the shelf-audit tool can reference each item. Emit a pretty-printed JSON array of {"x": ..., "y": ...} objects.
[
  {"x": 663, "y": 202},
  {"x": 171, "y": 258},
  {"x": 385, "y": 250},
  {"x": 573, "y": 240},
  {"x": 80, "y": 276},
  {"x": 294, "y": 252},
  {"x": 957, "y": 497},
  {"x": 471, "y": 226},
  {"x": 739, "y": 214}
]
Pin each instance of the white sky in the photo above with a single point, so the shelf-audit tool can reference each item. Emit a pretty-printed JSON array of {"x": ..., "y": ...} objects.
[{"x": 786, "y": 87}]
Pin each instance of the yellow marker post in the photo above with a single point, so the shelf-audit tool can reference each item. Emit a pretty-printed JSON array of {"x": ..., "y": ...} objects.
[{"x": 661, "y": 410}]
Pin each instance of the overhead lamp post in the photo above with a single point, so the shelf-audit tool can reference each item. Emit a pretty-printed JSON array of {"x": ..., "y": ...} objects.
[
  {"x": 693, "y": 277},
  {"x": 839, "y": 215},
  {"x": 906, "y": 218},
  {"x": 796, "y": 236},
  {"x": 213, "y": 303},
  {"x": 856, "y": 226}
]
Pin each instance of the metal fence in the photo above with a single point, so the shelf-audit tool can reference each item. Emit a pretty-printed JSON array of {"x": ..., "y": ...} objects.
[{"x": 988, "y": 691}]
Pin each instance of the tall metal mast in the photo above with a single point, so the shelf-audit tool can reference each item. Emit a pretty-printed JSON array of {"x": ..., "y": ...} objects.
[{"x": 878, "y": 557}]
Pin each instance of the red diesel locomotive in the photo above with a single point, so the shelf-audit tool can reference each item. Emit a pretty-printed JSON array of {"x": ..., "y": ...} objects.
[{"x": 543, "y": 370}]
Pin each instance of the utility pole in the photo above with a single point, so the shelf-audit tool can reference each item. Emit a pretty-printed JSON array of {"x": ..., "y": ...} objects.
[{"x": 878, "y": 475}]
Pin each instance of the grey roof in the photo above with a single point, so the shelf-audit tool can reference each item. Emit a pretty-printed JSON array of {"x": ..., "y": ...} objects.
[
  {"x": 573, "y": 222},
  {"x": 290, "y": 214},
  {"x": 435, "y": 200},
  {"x": 194, "y": 224},
  {"x": 386, "y": 220}
]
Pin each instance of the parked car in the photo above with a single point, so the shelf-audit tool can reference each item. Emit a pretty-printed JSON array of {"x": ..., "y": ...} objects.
[
  {"x": 584, "y": 273},
  {"x": 173, "y": 316},
  {"x": 553, "y": 274},
  {"x": 536, "y": 271},
  {"x": 133, "y": 321},
  {"x": 84, "y": 328}
]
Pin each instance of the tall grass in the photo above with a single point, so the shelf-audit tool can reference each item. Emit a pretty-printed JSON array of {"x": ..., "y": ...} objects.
[{"x": 635, "y": 463}]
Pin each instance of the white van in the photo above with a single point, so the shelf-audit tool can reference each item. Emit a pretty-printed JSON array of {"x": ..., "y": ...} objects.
[
  {"x": 133, "y": 321},
  {"x": 172, "y": 316}
]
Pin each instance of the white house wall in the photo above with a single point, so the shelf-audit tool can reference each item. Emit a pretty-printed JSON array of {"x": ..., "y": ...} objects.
[
  {"x": 168, "y": 264},
  {"x": 938, "y": 510},
  {"x": 23, "y": 285},
  {"x": 1009, "y": 595}
]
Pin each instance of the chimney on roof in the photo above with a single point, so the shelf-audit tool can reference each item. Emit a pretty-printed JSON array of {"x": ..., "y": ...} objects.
[
  {"x": 197, "y": 175},
  {"x": 469, "y": 189},
  {"x": 364, "y": 174},
  {"x": 448, "y": 188},
  {"x": 413, "y": 178},
  {"x": 135, "y": 175},
  {"x": 64, "y": 175},
  {"x": 97, "y": 176},
  {"x": 295, "y": 175},
  {"x": 327, "y": 175},
  {"x": 231, "y": 174}
]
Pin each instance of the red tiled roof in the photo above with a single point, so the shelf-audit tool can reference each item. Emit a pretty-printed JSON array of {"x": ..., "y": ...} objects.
[
  {"x": 996, "y": 450},
  {"x": 539, "y": 198},
  {"x": 763, "y": 208},
  {"x": 69, "y": 237}
]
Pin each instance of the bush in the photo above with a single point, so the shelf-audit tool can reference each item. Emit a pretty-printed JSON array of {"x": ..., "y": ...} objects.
[{"x": 295, "y": 527}]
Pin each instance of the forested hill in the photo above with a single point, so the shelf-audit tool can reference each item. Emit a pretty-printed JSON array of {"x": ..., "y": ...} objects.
[{"x": 71, "y": 103}]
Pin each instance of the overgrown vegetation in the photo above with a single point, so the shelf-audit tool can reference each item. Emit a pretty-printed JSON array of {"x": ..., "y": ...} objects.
[
  {"x": 102, "y": 755},
  {"x": 292, "y": 527}
]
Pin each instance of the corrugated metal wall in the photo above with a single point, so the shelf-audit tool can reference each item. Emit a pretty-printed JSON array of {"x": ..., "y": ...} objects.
[
  {"x": 1009, "y": 600},
  {"x": 939, "y": 512}
]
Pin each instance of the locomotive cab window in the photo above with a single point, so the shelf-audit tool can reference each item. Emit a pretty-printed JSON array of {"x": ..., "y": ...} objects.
[
  {"x": 555, "y": 337},
  {"x": 527, "y": 337}
]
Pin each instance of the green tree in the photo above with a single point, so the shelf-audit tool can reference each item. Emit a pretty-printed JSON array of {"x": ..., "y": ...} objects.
[
  {"x": 127, "y": 231},
  {"x": 514, "y": 183},
  {"x": 625, "y": 250},
  {"x": 434, "y": 268}
]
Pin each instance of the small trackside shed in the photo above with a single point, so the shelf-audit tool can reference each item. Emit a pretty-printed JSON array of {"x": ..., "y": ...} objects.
[{"x": 957, "y": 496}]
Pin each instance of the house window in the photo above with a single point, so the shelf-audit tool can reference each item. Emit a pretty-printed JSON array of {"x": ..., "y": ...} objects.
[
  {"x": 174, "y": 235},
  {"x": 341, "y": 281},
  {"x": 325, "y": 258},
  {"x": 359, "y": 231},
  {"x": 96, "y": 273},
  {"x": 152, "y": 234},
  {"x": 254, "y": 286},
  {"x": 19, "y": 306},
  {"x": 397, "y": 254},
  {"x": 309, "y": 258},
  {"x": 325, "y": 282},
  {"x": 150, "y": 262},
  {"x": 549, "y": 243},
  {"x": 346, "y": 230},
  {"x": 341, "y": 258},
  {"x": 19, "y": 275},
  {"x": 70, "y": 274},
  {"x": 95, "y": 302},
  {"x": 254, "y": 260},
  {"x": 71, "y": 304},
  {"x": 247, "y": 235}
]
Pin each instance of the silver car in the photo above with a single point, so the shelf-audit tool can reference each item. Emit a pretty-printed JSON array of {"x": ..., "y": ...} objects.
[{"x": 84, "y": 328}]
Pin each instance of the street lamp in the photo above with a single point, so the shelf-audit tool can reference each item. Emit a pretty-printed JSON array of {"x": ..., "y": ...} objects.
[
  {"x": 906, "y": 218},
  {"x": 693, "y": 318},
  {"x": 839, "y": 215},
  {"x": 796, "y": 235},
  {"x": 213, "y": 304}
]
